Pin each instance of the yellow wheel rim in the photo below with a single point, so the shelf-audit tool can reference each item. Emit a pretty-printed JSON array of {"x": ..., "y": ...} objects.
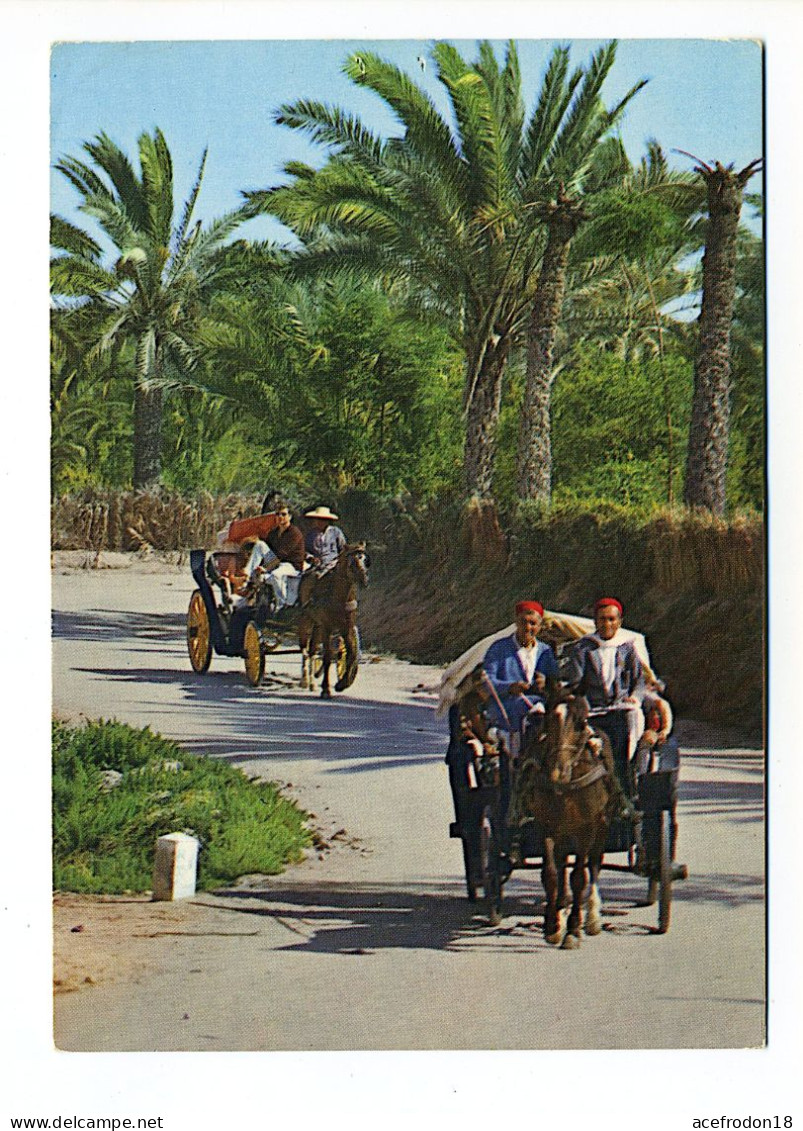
[
  {"x": 199, "y": 643},
  {"x": 254, "y": 658},
  {"x": 342, "y": 659}
]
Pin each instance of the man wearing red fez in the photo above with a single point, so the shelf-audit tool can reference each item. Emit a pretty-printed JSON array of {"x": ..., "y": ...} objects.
[
  {"x": 605, "y": 667},
  {"x": 517, "y": 667}
]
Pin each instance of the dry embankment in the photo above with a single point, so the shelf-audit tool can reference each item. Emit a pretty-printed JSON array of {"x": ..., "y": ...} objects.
[{"x": 693, "y": 585}]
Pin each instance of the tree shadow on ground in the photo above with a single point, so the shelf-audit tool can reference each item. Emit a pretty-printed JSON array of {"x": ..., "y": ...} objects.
[
  {"x": 102, "y": 624},
  {"x": 362, "y": 918}
]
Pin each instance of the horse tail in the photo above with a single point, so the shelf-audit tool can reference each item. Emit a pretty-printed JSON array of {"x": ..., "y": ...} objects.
[{"x": 352, "y": 659}]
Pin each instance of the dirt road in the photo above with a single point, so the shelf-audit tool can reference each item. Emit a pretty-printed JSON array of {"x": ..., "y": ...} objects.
[{"x": 370, "y": 943}]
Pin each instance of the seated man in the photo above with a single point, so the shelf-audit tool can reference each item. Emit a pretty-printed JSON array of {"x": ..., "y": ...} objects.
[
  {"x": 324, "y": 540},
  {"x": 281, "y": 558},
  {"x": 605, "y": 667},
  {"x": 517, "y": 668}
]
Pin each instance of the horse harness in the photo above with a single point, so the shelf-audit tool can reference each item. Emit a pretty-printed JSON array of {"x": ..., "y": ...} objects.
[{"x": 596, "y": 773}]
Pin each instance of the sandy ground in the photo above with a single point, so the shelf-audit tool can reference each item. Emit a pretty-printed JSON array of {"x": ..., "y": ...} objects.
[{"x": 370, "y": 943}]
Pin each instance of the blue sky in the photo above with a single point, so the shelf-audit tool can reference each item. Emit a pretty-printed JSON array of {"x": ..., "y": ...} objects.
[{"x": 704, "y": 96}]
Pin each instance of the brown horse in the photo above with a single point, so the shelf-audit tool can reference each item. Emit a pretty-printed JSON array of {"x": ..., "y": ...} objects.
[
  {"x": 565, "y": 784},
  {"x": 329, "y": 606}
]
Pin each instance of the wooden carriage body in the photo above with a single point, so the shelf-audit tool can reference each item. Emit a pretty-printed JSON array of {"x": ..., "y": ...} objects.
[{"x": 481, "y": 787}]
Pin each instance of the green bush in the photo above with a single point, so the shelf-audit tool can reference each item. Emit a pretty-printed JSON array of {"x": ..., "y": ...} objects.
[{"x": 103, "y": 838}]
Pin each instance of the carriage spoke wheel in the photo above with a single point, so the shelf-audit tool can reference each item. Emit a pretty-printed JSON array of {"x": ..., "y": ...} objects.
[
  {"x": 489, "y": 862},
  {"x": 341, "y": 658},
  {"x": 469, "y": 863},
  {"x": 254, "y": 656},
  {"x": 199, "y": 636},
  {"x": 665, "y": 873}
]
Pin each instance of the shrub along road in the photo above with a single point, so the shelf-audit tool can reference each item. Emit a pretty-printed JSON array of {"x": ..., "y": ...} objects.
[{"x": 371, "y": 943}]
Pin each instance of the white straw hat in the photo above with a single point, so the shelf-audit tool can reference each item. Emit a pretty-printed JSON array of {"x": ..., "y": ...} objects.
[{"x": 321, "y": 512}]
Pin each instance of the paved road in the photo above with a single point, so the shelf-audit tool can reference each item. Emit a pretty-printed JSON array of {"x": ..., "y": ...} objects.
[{"x": 374, "y": 946}]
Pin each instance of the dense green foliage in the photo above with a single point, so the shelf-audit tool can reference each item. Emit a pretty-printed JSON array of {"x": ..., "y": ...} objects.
[
  {"x": 359, "y": 362},
  {"x": 104, "y": 838}
]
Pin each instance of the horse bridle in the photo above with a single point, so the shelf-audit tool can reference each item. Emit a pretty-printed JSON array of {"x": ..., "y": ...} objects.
[{"x": 596, "y": 773}]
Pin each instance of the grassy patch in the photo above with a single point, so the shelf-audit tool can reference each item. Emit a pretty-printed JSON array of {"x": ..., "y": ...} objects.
[{"x": 105, "y": 828}]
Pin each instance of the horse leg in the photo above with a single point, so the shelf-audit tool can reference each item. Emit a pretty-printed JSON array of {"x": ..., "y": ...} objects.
[
  {"x": 553, "y": 928},
  {"x": 572, "y": 938},
  {"x": 326, "y": 692},
  {"x": 593, "y": 919},
  {"x": 563, "y": 885},
  {"x": 304, "y": 635}
]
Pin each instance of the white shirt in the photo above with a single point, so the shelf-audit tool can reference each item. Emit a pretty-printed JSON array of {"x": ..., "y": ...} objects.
[
  {"x": 607, "y": 655},
  {"x": 527, "y": 658}
]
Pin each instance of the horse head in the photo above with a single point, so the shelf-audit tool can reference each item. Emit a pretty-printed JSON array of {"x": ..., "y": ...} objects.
[
  {"x": 357, "y": 562},
  {"x": 565, "y": 734}
]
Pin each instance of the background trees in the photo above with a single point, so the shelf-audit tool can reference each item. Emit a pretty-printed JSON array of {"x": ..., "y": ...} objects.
[
  {"x": 153, "y": 297},
  {"x": 710, "y": 422},
  {"x": 484, "y": 304}
]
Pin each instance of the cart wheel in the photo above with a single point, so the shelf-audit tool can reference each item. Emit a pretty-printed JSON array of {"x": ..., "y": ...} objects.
[
  {"x": 665, "y": 876},
  {"x": 341, "y": 662},
  {"x": 254, "y": 656},
  {"x": 469, "y": 864},
  {"x": 489, "y": 860},
  {"x": 199, "y": 636},
  {"x": 341, "y": 658}
]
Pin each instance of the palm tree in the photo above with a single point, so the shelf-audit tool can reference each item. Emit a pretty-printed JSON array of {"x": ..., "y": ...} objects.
[
  {"x": 464, "y": 215},
  {"x": 570, "y": 122},
  {"x": 155, "y": 293},
  {"x": 434, "y": 209},
  {"x": 709, "y": 432},
  {"x": 645, "y": 221}
]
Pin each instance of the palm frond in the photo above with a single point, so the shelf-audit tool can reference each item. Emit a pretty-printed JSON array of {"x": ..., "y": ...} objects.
[
  {"x": 189, "y": 206},
  {"x": 113, "y": 219},
  {"x": 120, "y": 172},
  {"x": 426, "y": 133},
  {"x": 332, "y": 127},
  {"x": 553, "y": 99},
  {"x": 75, "y": 276},
  {"x": 67, "y": 237},
  {"x": 145, "y": 357},
  {"x": 157, "y": 185},
  {"x": 478, "y": 124}
]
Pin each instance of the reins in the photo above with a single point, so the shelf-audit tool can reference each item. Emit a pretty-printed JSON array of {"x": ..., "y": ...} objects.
[{"x": 596, "y": 773}]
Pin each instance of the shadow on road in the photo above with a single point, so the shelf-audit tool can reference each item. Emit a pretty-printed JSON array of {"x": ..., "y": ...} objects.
[
  {"x": 353, "y": 918},
  {"x": 363, "y": 918},
  {"x": 102, "y": 624},
  {"x": 249, "y": 725}
]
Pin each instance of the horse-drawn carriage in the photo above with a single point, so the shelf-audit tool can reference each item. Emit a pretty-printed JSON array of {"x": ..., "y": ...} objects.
[
  {"x": 232, "y": 615},
  {"x": 526, "y": 812}
]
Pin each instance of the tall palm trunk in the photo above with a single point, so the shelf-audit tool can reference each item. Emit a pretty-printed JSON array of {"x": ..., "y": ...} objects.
[
  {"x": 147, "y": 436},
  {"x": 707, "y": 459},
  {"x": 534, "y": 479},
  {"x": 482, "y": 417}
]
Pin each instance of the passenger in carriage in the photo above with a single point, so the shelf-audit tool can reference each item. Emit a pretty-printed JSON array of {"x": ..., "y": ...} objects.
[
  {"x": 324, "y": 540},
  {"x": 517, "y": 668},
  {"x": 280, "y": 557},
  {"x": 605, "y": 667},
  {"x": 656, "y": 747}
]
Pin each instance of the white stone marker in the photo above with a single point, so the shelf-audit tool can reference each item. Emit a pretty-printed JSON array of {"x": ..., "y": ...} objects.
[{"x": 175, "y": 866}]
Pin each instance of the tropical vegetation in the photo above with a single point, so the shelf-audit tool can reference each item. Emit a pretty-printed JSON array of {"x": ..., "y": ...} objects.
[{"x": 496, "y": 301}]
